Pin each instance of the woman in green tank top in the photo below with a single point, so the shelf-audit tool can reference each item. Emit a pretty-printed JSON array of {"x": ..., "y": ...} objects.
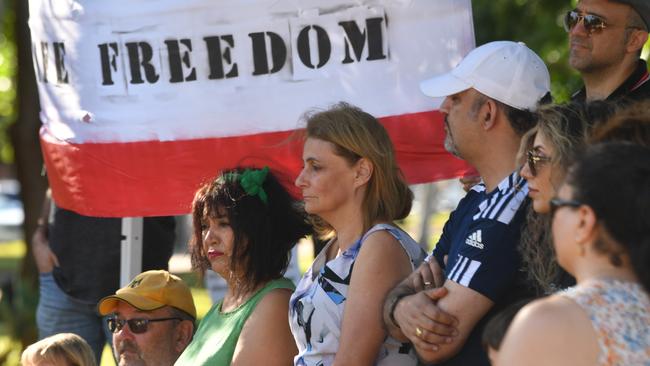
[{"x": 245, "y": 224}]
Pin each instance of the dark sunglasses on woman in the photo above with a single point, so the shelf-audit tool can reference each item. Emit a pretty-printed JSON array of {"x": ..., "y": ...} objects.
[
  {"x": 556, "y": 203},
  {"x": 535, "y": 161}
]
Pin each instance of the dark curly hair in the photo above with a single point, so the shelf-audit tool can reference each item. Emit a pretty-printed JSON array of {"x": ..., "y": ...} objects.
[
  {"x": 614, "y": 179},
  {"x": 264, "y": 233}
]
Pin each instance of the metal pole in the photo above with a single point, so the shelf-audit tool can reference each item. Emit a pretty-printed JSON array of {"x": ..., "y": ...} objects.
[{"x": 131, "y": 249}]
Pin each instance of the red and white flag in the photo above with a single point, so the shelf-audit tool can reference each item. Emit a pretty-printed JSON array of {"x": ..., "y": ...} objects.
[{"x": 143, "y": 100}]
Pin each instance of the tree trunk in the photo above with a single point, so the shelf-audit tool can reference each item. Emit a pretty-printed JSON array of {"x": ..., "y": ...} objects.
[{"x": 28, "y": 162}]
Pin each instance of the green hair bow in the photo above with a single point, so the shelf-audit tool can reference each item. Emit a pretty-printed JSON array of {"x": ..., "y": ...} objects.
[{"x": 252, "y": 181}]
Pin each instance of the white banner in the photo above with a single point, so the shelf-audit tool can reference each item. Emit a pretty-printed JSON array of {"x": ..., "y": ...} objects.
[{"x": 143, "y": 70}]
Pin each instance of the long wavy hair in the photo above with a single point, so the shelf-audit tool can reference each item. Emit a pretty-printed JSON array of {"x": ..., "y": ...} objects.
[{"x": 564, "y": 127}]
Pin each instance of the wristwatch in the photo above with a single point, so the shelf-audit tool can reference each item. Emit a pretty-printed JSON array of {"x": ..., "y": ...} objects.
[{"x": 393, "y": 305}]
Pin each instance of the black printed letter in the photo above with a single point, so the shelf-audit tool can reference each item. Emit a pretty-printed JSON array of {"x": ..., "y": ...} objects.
[
  {"x": 357, "y": 40},
  {"x": 260, "y": 56},
  {"x": 216, "y": 56},
  {"x": 108, "y": 61},
  {"x": 324, "y": 47},
  {"x": 135, "y": 63},
  {"x": 59, "y": 55},
  {"x": 176, "y": 60}
]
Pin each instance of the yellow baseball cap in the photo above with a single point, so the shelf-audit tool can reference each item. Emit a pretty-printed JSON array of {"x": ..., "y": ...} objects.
[{"x": 151, "y": 290}]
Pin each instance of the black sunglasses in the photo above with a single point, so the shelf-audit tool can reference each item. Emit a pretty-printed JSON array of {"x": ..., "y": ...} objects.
[
  {"x": 559, "y": 202},
  {"x": 136, "y": 325},
  {"x": 535, "y": 160},
  {"x": 591, "y": 22}
]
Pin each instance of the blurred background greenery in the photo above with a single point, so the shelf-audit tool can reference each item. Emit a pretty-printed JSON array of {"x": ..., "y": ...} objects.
[{"x": 538, "y": 23}]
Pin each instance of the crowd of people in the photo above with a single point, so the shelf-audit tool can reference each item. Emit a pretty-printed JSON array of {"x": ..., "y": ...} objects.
[{"x": 544, "y": 261}]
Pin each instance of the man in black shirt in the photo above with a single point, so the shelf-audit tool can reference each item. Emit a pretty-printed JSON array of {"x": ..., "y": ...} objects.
[{"x": 605, "y": 42}]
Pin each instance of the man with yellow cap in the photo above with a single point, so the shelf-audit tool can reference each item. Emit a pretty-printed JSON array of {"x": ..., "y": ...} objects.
[{"x": 152, "y": 319}]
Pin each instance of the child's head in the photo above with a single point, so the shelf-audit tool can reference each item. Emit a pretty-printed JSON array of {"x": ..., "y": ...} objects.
[{"x": 60, "y": 349}]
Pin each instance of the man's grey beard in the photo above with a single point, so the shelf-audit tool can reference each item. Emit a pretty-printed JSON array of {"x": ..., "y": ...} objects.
[
  {"x": 449, "y": 144},
  {"x": 127, "y": 344}
]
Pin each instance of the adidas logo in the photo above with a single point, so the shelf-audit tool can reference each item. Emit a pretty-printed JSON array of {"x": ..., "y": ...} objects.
[{"x": 474, "y": 239}]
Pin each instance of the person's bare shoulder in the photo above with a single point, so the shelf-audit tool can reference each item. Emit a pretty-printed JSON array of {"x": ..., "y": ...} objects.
[
  {"x": 551, "y": 331},
  {"x": 382, "y": 245},
  {"x": 273, "y": 303},
  {"x": 267, "y": 325}
]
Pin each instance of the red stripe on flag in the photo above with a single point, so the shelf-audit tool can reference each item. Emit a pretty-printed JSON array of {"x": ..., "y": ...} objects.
[{"x": 152, "y": 178}]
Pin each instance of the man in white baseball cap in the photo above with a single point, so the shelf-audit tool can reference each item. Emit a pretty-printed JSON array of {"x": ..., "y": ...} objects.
[{"x": 472, "y": 273}]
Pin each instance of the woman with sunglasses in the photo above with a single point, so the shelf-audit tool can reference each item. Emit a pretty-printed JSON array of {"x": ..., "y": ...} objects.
[
  {"x": 548, "y": 148},
  {"x": 354, "y": 190},
  {"x": 601, "y": 233},
  {"x": 245, "y": 224}
]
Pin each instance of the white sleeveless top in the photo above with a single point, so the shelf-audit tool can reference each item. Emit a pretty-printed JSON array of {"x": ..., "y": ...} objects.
[{"x": 316, "y": 307}]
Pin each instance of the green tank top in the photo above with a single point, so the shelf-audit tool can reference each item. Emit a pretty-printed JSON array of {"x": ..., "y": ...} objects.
[{"x": 216, "y": 338}]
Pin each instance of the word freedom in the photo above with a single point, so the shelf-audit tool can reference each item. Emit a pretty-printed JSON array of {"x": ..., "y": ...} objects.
[{"x": 135, "y": 62}]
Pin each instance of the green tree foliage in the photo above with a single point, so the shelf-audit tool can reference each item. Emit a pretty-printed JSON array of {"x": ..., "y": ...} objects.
[
  {"x": 7, "y": 79},
  {"x": 538, "y": 23}
]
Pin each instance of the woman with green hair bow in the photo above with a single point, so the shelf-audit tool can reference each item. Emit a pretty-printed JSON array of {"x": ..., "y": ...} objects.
[{"x": 245, "y": 224}]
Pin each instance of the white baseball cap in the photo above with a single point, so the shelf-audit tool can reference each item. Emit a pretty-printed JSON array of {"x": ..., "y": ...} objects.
[{"x": 506, "y": 71}]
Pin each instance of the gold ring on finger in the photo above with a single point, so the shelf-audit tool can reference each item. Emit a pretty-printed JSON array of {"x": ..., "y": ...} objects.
[
  {"x": 427, "y": 283},
  {"x": 418, "y": 332}
]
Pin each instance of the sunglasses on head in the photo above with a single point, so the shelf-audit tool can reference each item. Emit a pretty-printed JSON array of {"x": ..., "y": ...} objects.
[
  {"x": 556, "y": 203},
  {"x": 136, "y": 325},
  {"x": 535, "y": 160},
  {"x": 591, "y": 22}
]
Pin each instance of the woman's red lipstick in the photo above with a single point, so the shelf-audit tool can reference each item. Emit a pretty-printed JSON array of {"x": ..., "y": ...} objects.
[{"x": 212, "y": 254}]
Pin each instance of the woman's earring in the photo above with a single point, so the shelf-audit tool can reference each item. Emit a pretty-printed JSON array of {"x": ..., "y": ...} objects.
[{"x": 582, "y": 248}]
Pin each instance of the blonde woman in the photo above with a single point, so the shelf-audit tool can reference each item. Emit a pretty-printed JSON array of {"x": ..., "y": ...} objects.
[
  {"x": 548, "y": 149},
  {"x": 354, "y": 190}
]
